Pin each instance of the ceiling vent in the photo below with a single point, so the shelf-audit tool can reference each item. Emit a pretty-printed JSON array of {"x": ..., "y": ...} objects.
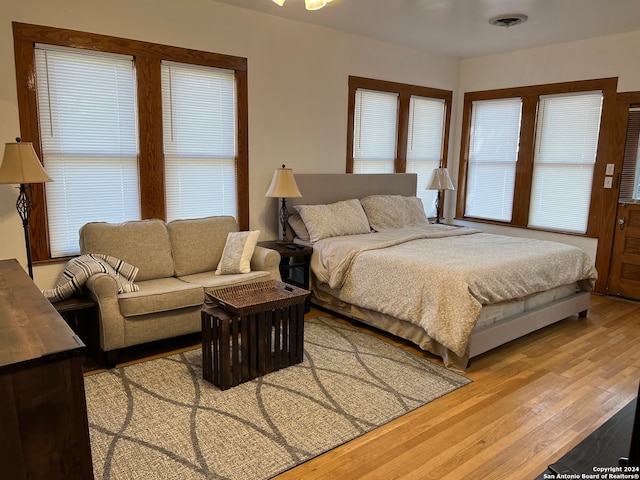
[{"x": 508, "y": 20}]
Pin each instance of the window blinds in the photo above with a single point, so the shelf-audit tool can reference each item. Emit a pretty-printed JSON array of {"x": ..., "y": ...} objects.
[
  {"x": 424, "y": 149},
  {"x": 375, "y": 131},
  {"x": 493, "y": 153},
  {"x": 630, "y": 181},
  {"x": 199, "y": 117},
  {"x": 565, "y": 154},
  {"x": 87, "y": 113}
]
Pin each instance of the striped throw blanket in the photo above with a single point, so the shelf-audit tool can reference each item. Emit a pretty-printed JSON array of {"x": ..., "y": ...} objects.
[{"x": 79, "y": 269}]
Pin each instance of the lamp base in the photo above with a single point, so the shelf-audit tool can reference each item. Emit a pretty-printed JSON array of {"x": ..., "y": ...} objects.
[
  {"x": 438, "y": 206},
  {"x": 283, "y": 215},
  {"x": 24, "y": 206}
]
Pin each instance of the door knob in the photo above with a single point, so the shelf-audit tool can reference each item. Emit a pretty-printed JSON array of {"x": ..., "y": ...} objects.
[{"x": 621, "y": 222}]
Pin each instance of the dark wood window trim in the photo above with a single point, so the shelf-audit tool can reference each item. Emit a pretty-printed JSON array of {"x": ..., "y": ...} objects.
[
  {"x": 524, "y": 170},
  {"x": 147, "y": 57},
  {"x": 404, "y": 91}
]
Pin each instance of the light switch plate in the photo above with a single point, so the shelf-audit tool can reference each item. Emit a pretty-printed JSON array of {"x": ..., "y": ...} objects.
[
  {"x": 608, "y": 182},
  {"x": 610, "y": 168}
]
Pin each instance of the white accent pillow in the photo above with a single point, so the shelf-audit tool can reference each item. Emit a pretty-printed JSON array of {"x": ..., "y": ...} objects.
[
  {"x": 335, "y": 219},
  {"x": 388, "y": 212},
  {"x": 237, "y": 253}
]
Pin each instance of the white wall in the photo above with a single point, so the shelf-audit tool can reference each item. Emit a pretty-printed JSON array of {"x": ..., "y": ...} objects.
[
  {"x": 297, "y": 84},
  {"x": 611, "y": 56}
]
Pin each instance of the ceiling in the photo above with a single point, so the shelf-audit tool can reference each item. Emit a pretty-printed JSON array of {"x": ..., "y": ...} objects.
[{"x": 461, "y": 27}]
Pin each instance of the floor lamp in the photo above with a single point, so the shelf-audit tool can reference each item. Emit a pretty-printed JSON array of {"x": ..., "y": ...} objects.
[
  {"x": 440, "y": 180},
  {"x": 283, "y": 186},
  {"x": 20, "y": 165}
]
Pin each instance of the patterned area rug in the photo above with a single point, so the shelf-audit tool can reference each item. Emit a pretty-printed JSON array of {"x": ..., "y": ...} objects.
[{"x": 159, "y": 419}]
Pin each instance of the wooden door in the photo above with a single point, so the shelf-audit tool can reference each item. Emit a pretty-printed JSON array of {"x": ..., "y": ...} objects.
[
  {"x": 624, "y": 270},
  {"x": 624, "y": 279}
]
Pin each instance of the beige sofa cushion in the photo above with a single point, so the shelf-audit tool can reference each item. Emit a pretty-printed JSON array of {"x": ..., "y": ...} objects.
[
  {"x": 160, "y": 295},
  {"x": 210, "y": 280},
  {"x": 198, "y": 243},
  {"x": 144, "y": 244}
]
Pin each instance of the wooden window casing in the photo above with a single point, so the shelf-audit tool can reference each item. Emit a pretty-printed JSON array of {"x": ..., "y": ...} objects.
[
  {"x": 404, "y": 91},
  {"x": 524, "y": 168},
  {"x": 147, "y": 58}
]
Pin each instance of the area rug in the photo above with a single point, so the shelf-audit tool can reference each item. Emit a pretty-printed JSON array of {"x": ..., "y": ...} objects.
[{"x": 160, "y": 420}]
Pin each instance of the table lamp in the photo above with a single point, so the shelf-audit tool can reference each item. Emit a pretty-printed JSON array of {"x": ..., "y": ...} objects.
[
  {"x": 440, "y": 180},
  {"x": 283, "y": 185}
]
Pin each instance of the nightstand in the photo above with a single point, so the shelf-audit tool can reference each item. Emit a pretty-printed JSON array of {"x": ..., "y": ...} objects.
[{"x": 294, "y": 262}]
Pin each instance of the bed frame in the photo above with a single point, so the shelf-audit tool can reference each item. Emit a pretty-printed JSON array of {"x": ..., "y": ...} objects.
[{"x": 328, "y": 188}]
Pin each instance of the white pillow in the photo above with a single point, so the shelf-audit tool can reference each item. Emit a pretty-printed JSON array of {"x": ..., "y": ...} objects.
[
  {"x": 237, "y": 253},
  {"x": 335, "y": 219},
  {"x": 388, "y": 212}
]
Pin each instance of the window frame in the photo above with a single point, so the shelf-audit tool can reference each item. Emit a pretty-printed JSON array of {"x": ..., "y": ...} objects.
[
  {"x": 405, "y": 92},
  {"x": 147, "y": 58},
  {"x": 524, "y": 167}
]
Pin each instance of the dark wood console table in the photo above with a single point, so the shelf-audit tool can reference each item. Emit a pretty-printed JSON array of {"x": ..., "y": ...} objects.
[{"x": 44, "y": 432}]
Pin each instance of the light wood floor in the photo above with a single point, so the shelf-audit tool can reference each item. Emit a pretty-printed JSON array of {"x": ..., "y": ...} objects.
[{"x": 530, "y": 402}]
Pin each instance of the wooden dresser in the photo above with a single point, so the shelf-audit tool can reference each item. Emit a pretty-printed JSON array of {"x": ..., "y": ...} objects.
[{"x": 44, "y": 432}]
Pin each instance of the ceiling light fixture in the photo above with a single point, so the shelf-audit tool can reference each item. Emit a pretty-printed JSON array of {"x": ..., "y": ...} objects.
[
  {"x": 507, "y": 20},
  {"x": 309, "y": 4}
]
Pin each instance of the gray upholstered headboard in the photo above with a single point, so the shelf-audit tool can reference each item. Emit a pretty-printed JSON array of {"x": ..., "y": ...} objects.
[{"x": 323, "y": 188}]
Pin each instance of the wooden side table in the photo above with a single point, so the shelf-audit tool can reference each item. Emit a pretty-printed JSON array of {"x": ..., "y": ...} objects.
[
  {"x": 81, "y": 314},
  {"x": 294, "y": 262},
  {"x": 255, "y": 329}
]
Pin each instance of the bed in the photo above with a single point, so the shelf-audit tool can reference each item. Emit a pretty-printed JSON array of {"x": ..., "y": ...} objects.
[{"x": 453, "y": 291}]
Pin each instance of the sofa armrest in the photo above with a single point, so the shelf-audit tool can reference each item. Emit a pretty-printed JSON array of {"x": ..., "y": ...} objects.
[
  {"x": 267, "y": 260},
  {"x": 104, "y": 290},
  {"x": 101, "y": 285}
]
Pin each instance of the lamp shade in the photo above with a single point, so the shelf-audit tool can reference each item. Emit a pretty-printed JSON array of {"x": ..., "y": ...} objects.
[
  {"x": 20, "y": 164},
  {"x": 314, "y": 4},
  {"x": 440, "y": 180},
  {"x": 283, "y": 184}
]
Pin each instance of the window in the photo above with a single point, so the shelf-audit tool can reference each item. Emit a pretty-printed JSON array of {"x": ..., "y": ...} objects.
[
  {"x": 630, "y": 178},
  {"x": 398, "y": 128},
  {"x": 493, "y": 153},
  {"x": 198, "y": 106},
  {"x": 91, "y": 152},
  {"x": 529, "y": 155},
  {"x": 116, "y": 144},
  {"x": 565, "y": 155},
  {"x": 374, "y": 132},
  {"x": 424, "y": 145}
]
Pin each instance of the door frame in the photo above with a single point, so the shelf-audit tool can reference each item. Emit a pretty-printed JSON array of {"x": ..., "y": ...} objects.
[{"x": 624, "y": 100}]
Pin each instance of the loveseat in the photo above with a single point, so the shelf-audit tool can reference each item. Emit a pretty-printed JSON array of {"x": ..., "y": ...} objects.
[{"x": 176, "y": 261}]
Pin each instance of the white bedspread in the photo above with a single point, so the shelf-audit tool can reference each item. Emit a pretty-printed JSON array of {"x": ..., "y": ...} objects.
[{"x": 438, "y": 277}]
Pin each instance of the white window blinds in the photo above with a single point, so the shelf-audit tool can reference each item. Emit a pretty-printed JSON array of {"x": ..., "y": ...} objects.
[
  {"x": 493, "y": 153},
  {"x": 630, "y": 179},
  {"x": 199, "y": 116},
  {"x": 566, "y": 144},
  {"x": 375, "y": 131},
  {"x": 424, "y": 149},
  {"x": 88, "y": 127}
]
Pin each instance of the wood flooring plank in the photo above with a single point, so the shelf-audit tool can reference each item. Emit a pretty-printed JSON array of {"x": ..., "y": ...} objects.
[{"x": 531, "y": 402}]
